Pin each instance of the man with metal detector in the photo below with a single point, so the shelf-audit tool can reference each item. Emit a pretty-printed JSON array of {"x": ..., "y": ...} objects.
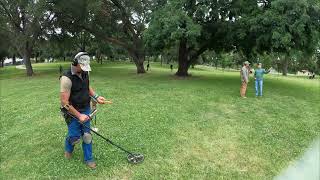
[{"x": 75, "y": 96}]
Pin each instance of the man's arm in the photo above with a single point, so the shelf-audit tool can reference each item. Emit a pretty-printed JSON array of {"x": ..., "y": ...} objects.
[
  {"x": 64, "y": 98},
  {"x": 65, "y": 89},
  {"x": 91, "y": 92},
  {"x": 266, "y": 71},
  {"x": 99, "y": 99}
]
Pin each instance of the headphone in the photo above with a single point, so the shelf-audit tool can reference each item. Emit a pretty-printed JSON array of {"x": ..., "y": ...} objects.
[{"x": 75, "y": 61}]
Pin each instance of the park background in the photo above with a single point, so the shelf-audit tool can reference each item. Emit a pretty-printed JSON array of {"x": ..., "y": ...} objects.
[{"x": 188, "y": 121}]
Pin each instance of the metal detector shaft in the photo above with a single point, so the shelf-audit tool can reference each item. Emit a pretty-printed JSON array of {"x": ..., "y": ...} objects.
[{"x": 106, "y": 139}]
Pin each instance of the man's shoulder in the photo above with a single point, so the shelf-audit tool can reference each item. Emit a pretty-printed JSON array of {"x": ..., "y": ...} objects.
[
  {"x": 65, "y": 78},
  {"x": 67, "y": 75}
]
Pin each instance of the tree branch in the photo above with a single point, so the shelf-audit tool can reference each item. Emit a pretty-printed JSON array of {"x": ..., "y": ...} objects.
[
  {"x": 109, "y": 39},
  {"x": 194, "y": 56},
  {"x": 124, "y": 17},
  {"x": 10, "y": 16}
]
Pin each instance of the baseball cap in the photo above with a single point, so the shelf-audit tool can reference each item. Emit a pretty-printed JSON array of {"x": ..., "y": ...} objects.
[
  {"x": 84, "y": 61},
  {"x": 246, "y": 62}
]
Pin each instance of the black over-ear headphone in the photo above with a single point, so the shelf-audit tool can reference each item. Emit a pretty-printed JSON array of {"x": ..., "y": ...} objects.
[{"x": 75, "y": 62}]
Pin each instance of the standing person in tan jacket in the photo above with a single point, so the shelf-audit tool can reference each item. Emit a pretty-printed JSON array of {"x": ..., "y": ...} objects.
[{"x": 244, "y": 74}]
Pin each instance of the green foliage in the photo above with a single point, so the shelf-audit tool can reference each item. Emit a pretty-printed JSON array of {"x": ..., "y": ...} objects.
[
  {"x": 282, "y": 26},
  {"x": 293, "y": 26},
  {"x": 268, "y": 60},
  {"x": 26, "y": 21},
  {"x": 243, "y": 29},
  {"x": 204, "y": 24},
  {"x": 193, "y": 27},
  {"x": 169, "y": 24},
  {"x": 226, "y": 60}
]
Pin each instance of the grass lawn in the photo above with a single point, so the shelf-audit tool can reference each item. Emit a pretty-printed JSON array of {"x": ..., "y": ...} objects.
[{"x": 194, "y": 128}]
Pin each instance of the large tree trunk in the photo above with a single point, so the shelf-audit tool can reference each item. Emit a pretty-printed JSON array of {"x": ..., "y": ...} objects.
[
  {"x": 140, "y": 67},
  {"x": 26, "y": 58},
  {"x": 138, "y": 60},
  {"x": 138, "y": 57},
  {"x": 183, "y": 59},
  {"x": 2, "y": 61},
  {"x": 285, "y": 66}
]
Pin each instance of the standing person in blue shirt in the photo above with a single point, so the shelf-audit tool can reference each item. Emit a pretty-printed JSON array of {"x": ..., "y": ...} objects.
[{"x": 258, "y": 76}]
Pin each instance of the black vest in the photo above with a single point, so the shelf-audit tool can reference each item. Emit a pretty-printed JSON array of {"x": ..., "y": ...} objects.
[{"x": 79, "y": 95}]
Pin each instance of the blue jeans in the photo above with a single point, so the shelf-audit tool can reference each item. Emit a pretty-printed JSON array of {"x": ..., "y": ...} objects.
[
  {"x": 75, "y": 131},
  {"x": 259, "y": 86}
]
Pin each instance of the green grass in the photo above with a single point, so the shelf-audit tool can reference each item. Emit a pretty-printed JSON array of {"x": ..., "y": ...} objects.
[{"x": 193, "y": 128}]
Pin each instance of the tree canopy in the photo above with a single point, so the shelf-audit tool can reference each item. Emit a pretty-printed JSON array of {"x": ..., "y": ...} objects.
[{"x": 235, "y": 30}]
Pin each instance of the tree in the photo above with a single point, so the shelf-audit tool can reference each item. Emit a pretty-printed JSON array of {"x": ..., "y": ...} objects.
[
  {"x": 120, "y": 23},
  {"x": 295, "y": 29},
  {"x": 171, "y": 26},
  {"x": 192, "y": 26},
  {"x": 27, "y": 21},
  {"x": 281, "y": 26},
  {"x": 4, "y": 51},
  {"x": 4, "y": 40}
]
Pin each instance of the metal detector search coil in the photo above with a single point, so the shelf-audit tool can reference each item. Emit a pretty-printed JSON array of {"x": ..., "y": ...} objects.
[{"x": 135, "y": 158}]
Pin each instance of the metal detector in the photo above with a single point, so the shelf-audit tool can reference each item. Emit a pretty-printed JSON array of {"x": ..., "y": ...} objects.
[
  {"x": 93, "y": 106},
  {"x": 133, "y": 158}
]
